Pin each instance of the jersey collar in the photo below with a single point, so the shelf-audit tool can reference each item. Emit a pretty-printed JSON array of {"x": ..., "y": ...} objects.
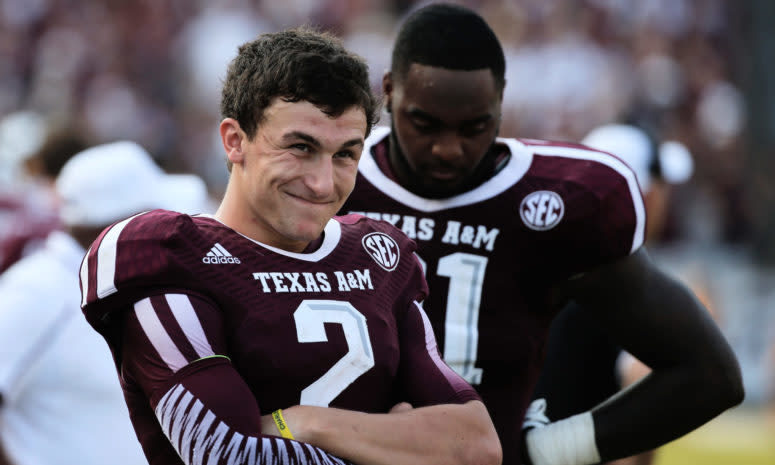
[{"x": 516, "y": 167}]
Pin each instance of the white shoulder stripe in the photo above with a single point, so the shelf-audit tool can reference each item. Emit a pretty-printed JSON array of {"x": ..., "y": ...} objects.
[
  {"x": 189, "y": 322},
  {"x": 158, "y": 336},
  {"x": 106, "y": 259},
  {"x": 618, "y": 166},
  {"x": 85, "y": 278}
]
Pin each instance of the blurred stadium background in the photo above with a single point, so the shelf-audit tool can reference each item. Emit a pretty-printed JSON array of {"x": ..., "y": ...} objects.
[{"x": 700, "y": 71}]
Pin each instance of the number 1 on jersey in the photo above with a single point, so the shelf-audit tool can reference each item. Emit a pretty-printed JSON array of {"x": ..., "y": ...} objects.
[{"x": 461, "y": 330}]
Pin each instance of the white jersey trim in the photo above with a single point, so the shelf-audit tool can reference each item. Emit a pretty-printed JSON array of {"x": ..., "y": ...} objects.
[
  {"x": 332, "y": 234},
  {"x": 85, "y": 278},
  {"x": 521, "y": 158},
  {"x": 621, "y": 168},
  {"x": 187, "y": 319},
  {"x": 516, "y": 167},
  {"x": 106, "y": 260},
  {"x": 160, "y": 340}
]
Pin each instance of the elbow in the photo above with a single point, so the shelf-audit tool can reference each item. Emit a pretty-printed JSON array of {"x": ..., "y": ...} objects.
[
  {"x": 479, "y": 443},
  {"x": 724, "y": 382},
  {"x": 486, "y": 451},
  {"x": 733, "y": 392},
  {"x": 493, "y": 453}
]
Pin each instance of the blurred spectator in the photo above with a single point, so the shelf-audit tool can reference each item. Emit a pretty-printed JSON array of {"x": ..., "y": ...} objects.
[
  {"x": 59, "y": 399},
  {"x": 658, "y": 165},
  {"x": 31, "y": 156},
  {"x": 572, "y": 66}
]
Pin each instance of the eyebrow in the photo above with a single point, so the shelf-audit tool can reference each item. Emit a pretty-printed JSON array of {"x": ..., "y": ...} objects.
[
  {"x": 433, "y": 119},
  {"x": 316, "y": 143}
]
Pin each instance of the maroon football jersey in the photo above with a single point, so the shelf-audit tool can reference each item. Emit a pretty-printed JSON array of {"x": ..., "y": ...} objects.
[
  {"x": 492, "y": 254},
  {"x": 340, "y": 326}
]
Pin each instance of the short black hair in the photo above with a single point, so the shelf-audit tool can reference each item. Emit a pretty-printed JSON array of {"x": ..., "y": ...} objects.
[
  {"x": 298, "y": 64},
  {"x": 59, "y": 146},
  {"x": 448, "y": 36}
]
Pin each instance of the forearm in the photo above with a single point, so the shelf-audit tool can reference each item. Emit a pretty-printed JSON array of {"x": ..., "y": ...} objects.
[
  {"x": 695, "y": 375},
  {"x": 677, "y": 401},
  {"x": 203, "y": 436},
  {"x": 667, "y": 403},
  {"x": 442, "y": 434}
]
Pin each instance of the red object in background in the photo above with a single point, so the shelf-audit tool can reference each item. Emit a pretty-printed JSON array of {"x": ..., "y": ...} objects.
[{"x": 26, "y": 218}]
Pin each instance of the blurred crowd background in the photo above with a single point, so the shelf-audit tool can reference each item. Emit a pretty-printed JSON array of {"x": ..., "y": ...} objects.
[{"x": 695, "y": 71}]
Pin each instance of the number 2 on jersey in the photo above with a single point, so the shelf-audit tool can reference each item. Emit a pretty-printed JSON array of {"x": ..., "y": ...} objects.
[
  {"x": 461, "y": 327},
  {"x": 310, "y": 318}
]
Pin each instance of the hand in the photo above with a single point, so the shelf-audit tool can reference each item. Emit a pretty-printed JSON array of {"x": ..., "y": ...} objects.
[{"x": 535, "y": 417}]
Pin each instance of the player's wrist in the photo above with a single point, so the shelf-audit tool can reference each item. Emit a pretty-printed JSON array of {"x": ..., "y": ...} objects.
[
  {"x": 566, "y": 442},
  {"x": 308, "y": 423},
  {"x": 281, "y": 424}
]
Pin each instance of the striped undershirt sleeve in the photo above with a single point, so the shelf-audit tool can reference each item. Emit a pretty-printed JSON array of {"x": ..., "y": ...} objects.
[
  {"x": 173, "y": 348},
  {"x": 201, "y": 438}
]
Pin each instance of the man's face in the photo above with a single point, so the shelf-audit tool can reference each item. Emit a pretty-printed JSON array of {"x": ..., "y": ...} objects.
[
  {"x": 298, "y": 170},
  {"x": 444, "y": 122}
]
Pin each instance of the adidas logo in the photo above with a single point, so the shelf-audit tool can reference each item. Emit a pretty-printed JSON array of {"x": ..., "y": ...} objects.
[{"x": 218, "y": 255}]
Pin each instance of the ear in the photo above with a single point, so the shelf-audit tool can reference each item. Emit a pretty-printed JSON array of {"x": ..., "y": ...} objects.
[
  {"x": 232, "y": 137},
  {"x": 387, "y": 90}
]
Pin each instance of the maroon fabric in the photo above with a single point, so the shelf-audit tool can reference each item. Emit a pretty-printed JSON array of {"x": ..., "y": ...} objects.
[
  {"x": 25, "y": 222},
  {"x": 522, "y": 263},
  {"x": 247, "y": 311}
]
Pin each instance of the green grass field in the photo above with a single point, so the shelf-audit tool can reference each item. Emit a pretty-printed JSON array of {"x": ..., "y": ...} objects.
[{"x": 738, "y": 437}]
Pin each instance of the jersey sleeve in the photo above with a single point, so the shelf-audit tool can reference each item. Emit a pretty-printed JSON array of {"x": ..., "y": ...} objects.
[
  {"x": 134, "y": 258},
  {"x": 605, "y": 217},
  {"x": 174, "y": 351},
  {"x": 424, "y": 378}
]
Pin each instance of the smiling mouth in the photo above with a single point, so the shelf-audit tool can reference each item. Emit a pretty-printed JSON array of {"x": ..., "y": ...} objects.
[{"x": 308, "y": 201}]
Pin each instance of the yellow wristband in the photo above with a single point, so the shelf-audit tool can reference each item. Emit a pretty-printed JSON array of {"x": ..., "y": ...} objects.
[{"x": 282, "y": 426}]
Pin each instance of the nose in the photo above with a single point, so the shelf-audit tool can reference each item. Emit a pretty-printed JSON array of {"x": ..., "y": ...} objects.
[
  {"x": 447, "y": 146},
  {"x": 320, "y": 177}
]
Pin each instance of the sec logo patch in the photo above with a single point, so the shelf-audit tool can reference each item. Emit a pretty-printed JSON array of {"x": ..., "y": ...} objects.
[
  {"x": 383, "y": 249},
  {"x": 542, "y": 210}
]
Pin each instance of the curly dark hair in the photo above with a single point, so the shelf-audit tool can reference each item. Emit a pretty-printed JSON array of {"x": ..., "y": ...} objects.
[
  {"x": 448, "y": 36},
  {"x": 298, "y": 64}
]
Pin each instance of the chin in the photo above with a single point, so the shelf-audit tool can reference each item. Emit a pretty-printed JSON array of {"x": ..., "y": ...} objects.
[
  {"x": 308, "y": 231},
  {"x": 440, "y": 191}
]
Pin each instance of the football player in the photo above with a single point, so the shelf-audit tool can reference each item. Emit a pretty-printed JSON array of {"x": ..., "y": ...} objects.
[
  {"x": 270, "y": 332},
  {"x": 509, "y": 230},
  {"x": 577, "y": 348}
]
